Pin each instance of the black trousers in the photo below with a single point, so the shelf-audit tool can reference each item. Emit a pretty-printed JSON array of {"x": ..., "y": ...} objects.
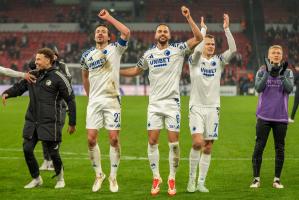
[
  {"x": 296, "y": 102},
  {"x": 263, "y": 129},
  {"x": 28, "y": 148},
  {"x": 46, "y": 152}
]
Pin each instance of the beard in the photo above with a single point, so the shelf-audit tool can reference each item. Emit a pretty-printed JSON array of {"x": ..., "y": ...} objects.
[{"x": 162, "y": 42}]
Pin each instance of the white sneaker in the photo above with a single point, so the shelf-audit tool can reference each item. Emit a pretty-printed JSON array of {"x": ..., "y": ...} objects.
[
  {"x": 44, "y": 166},
  {"x": 202, "y": 188},
  {"x": 60, "y": 184},
  {"x": 98, "y": 182},
  {"x": 191, "y": 185},
  {"x": 113, "y": 184},
  {"x": 34, "y": 183},
  {"x": 277, "y": 184},
  {"x": 255, "y": 183},
  {"x": 60, "y": 180},
  {"x": 50, "y": 166},
  {"x": 291, "y": 120}
]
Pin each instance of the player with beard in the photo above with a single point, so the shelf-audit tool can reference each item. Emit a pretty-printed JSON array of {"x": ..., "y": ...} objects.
[
  {"x": 100, "y": 74},
  {"x": 165, "y": 62}
]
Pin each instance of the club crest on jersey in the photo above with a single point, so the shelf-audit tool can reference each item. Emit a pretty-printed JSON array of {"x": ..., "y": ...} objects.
[
  {"x": 166, "y": 52},
  {"x": 48, "y": 82},
  {"x": 105, "y": 51},
  {"x": 213, "y": 63}
]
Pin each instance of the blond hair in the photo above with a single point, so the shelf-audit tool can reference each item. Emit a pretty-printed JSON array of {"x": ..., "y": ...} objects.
[{"x": 275, "y": 47}]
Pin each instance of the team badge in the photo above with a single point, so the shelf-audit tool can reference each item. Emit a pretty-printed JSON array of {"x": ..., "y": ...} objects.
[
  {"x": 213, "y": 63},
  {"x": 105, "y": 52},
  {"x": 48, "y": 82},
  {"x": 167, "y": 52}
]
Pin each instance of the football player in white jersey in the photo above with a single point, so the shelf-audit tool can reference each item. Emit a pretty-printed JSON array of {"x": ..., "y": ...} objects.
[
  {"x": 100, "y": 74},
  {"x": 165, "y": 62},
  {"x": 204, "y": 105}
]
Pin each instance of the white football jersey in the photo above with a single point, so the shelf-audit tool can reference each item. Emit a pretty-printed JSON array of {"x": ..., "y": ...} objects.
[
  {"x": 205, "y": 81},
  {"x": 103, "y": 66},
  {"x": 205, "y": 73},
  {"x": 165, "y": 67}
]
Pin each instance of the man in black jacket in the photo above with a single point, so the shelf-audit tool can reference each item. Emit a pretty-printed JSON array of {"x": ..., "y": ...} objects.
[
  {"x": 62, "y": 67},
  {"x": 43, "y": 117}
]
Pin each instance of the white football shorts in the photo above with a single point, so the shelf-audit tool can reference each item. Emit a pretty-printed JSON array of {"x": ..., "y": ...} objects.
[{"x": 204, "y": 120}]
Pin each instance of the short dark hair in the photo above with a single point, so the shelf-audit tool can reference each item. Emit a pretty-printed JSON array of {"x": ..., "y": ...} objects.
[
  {"x": 209, "y": 36},
  {"x": 163, "y": 24},
  {"x": 104, "y": 25},
  {"x": 48, "y": 53}
]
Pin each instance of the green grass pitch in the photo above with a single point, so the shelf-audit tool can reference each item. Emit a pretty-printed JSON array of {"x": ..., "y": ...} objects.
[{"x": 229, "y": 176}]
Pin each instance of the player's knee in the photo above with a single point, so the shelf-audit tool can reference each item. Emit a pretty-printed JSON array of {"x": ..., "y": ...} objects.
[
  {"x": 208, "y": 149},
  {"x": 259, "y": 147},
  {"x": 28, "y": 150},
  {"x": 279, "y": 148},
  {"x": 197, "y": 145},
  {"x": 153, "y": 141},
  {"x": 92, "y": 141},
  {"x": 114, "y": 141}
]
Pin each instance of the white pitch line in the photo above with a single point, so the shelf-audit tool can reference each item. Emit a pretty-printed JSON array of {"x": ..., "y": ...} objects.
[
  {"x": 123, "y": 157},
  {"x": 133, "y": 158}
]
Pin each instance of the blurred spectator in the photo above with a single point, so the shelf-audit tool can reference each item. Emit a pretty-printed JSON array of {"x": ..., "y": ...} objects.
[{"x": 24, "y": 41}]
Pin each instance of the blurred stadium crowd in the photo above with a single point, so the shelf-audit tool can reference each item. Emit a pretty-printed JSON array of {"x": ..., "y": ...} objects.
[{"x": 278, "y": 19}]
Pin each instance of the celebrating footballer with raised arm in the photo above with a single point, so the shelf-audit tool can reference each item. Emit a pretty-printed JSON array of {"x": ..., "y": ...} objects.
[
  {"x": 204, "y": 105},
  {"x": 165, "y": 62},
  {"x": 100, "y": 74}
]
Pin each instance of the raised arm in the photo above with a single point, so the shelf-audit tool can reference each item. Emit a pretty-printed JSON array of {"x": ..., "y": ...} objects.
[
  {"x": 199, "y": 48},
  {"x": 197, "y": 37},
  {"x": 230, "y": 39},
  {"x": 125, "y": 31}
]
